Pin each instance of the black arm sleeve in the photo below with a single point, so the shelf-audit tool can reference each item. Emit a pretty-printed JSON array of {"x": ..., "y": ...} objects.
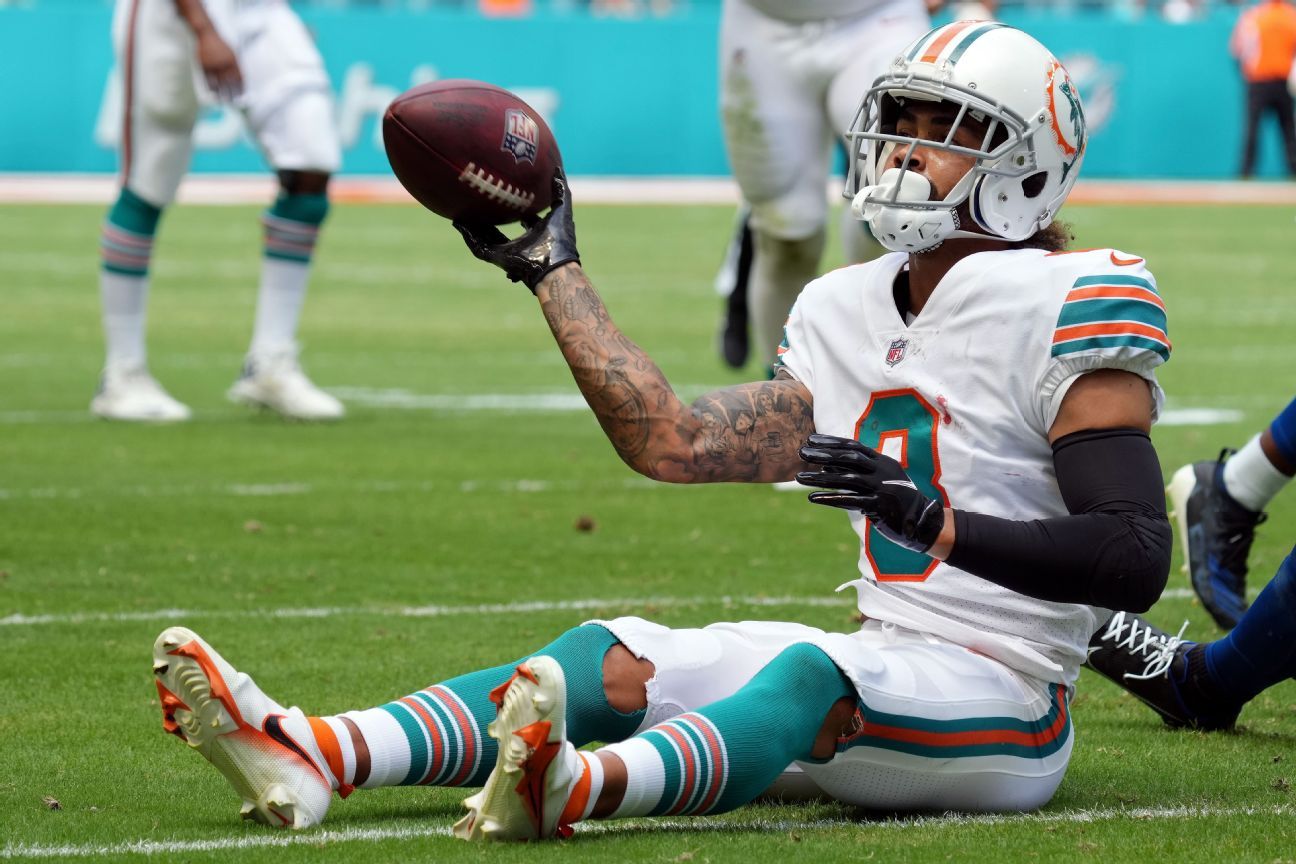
[{"x": 1113, "y": 551}]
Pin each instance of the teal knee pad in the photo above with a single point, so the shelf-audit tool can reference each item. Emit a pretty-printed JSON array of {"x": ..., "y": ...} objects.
[{"x": 580, "y": 652}]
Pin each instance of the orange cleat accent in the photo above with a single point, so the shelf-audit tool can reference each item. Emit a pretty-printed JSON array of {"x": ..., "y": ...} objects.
[{"x": 170, "y": 704}]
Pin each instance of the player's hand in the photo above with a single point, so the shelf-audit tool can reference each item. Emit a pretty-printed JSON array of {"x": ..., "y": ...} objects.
[
  {"x": 865, "y": 480},
  {"x": 548, "y": 243},
  {"x": 219, "y": 65}
]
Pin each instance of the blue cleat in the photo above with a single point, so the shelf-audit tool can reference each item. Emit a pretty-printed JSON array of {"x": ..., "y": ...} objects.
[{"x": 1216, "y": 533}]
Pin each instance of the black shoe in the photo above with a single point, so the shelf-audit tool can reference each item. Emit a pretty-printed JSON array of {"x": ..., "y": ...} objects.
[
  {"x": 1216, "y": 533},
  {"x": 1164, "y": 672},
  {"x": 735, "y": 340}
]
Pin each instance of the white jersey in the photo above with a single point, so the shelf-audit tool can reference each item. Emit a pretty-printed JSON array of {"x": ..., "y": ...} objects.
[
  {"x": 964, "y": 397},
  {"x": 815, "y": 10}
]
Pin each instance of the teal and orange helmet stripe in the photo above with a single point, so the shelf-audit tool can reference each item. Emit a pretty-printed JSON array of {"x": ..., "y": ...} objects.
[
  {"x": 965, "y": 737},
  {"x": 947, "y": 44},
  {"x": 697, "y": 766},
  {"x": 1112, "y": 311}
]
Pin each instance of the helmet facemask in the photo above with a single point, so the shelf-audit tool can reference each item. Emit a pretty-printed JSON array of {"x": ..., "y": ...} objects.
[{"x": 896, "y": 201}]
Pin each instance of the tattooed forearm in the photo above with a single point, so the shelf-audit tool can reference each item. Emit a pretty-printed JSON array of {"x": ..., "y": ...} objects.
[{"x": 750, "y": 432}]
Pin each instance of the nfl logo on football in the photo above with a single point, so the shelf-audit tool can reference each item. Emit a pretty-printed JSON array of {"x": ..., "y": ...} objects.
[
  {"x": 896, "y": 351},
  {"x": 521, "y": 135}
]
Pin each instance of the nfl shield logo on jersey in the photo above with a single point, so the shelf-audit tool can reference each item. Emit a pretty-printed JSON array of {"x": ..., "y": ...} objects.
[
  {"x": 896, "y": 351},
  {"x": 521, "y": 135}
]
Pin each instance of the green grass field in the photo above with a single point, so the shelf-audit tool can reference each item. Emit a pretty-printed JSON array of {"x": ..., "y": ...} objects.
[{"x": 425, "y": 503}]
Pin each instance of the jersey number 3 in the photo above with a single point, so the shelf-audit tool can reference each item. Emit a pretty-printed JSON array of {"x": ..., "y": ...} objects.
[{"x": 903, "y": 425}]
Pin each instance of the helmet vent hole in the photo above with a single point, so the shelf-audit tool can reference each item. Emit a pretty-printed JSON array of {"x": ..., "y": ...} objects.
[{"x": 1033, "y": 185}]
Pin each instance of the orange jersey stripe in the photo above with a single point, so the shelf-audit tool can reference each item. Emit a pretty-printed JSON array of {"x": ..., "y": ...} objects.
[
  {"x": 934, "y": 50},
  {"x": 1111, "y": 328},
  {"x": 1132, "y": 292}
]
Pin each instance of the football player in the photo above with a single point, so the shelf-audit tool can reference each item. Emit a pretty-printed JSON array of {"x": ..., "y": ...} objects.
[
  {"x": 791, "y": 72},
  {"x": 177, "y": 56},
  {"x": 979, "y": 404}
]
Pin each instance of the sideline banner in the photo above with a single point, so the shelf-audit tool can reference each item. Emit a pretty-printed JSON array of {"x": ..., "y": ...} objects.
[{"x": 625, "y": 97}]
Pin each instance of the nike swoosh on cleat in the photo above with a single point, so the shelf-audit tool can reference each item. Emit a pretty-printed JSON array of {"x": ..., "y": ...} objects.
[{"x": 274, "y": 728}]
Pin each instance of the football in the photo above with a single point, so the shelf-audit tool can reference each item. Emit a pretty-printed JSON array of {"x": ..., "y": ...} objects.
[{"x": 471, "y": 151}]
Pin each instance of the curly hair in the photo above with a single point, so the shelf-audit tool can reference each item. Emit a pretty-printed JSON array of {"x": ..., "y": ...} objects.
[{"x": 1055, "y": 238}]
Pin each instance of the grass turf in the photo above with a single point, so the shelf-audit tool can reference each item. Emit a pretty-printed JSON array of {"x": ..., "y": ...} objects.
[{"x": 419, "y": 501}]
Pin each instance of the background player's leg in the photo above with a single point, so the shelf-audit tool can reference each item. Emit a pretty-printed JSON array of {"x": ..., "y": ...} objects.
[
  {"x": 865, "y": 49},
  {"x": 778, "y": 143},
  {"x": 158, "y": 113},
  {"x": 1261, "y": 650},
  {"x": 297, "y": 133},
  {"x": 1259, "y": 471}
]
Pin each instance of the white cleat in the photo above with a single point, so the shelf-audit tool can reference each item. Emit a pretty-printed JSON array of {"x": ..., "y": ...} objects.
[
  {"x": 536, "y": 768},
  {"x": 277, "y": 382},
  {"x": 266, "y": 752},
  {"x": 133, "y": 395}
]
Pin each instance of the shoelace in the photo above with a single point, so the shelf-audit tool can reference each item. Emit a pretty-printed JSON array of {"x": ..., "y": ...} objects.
[{"x": 1158, "y": 649}]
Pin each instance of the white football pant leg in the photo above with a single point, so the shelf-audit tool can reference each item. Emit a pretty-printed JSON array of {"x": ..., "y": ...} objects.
[{"x": 155, "y": 51}]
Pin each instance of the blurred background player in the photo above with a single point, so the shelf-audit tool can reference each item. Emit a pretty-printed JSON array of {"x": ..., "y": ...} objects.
[
  {"x": 1204, "y": 686},
  {"x": 175, "y": 57},
  {"x": 1218, "y": 506},
  {"x": 791, "y": 72},
  {"x": 1264, "y": 43}
]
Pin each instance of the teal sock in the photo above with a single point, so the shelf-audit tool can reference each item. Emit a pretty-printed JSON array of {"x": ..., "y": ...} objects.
[
  {"x": 439, "y": 735},
  {"x": 292, "y": 226},
  {"x": 126, "y": 242},
  {"x": 725, "y": 754}
]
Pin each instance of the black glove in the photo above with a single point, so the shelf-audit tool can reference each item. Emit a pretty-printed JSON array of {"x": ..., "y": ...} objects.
[
  {"x": 548, "y": 243},
  {"x": 876, "y": 486}
]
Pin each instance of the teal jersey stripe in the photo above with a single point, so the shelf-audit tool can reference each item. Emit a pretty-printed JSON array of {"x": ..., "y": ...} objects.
[
  {"x": 1097, "y": 343},
  {"x": 969, "y": 39},
  {"x": 1115, "y": 279},
  {"x": 1101, "y": 310},
  {"x": 418, "y": 746},
  {"x": 671, "y": 768},
  {"x": 967, "y": 724}
]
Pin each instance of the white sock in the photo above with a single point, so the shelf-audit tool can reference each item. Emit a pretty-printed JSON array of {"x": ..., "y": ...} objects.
[
  {"x": 389, "y": 752},
  {"x": 645, "y": 777},
  {"x": 125, "y": 307},
  {"x": 1251, "y": 479},
  {"x": 279, "y": 304}
]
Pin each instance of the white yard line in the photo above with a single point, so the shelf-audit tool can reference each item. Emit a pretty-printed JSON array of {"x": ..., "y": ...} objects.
[
  {"x": 581, "y": 604},
  {"x": 332, "y": 836},
  {"x": 430, "y": 611}
]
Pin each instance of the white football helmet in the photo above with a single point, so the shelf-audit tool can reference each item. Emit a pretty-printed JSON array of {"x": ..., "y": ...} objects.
[{"x": 1028, "y": 159}]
